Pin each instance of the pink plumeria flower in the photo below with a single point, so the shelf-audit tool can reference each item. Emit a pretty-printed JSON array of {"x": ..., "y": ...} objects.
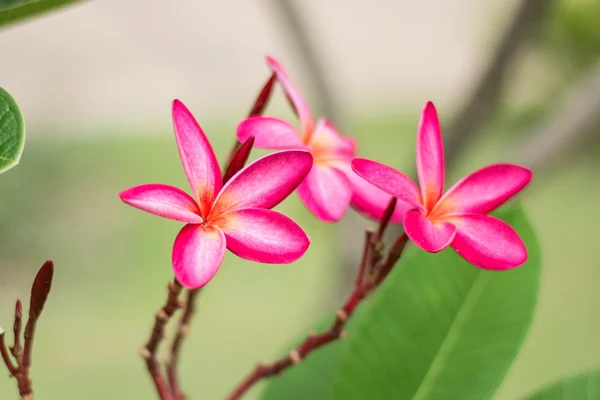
[
  {"x": 458, "y": 217},
  {"x": 235, "y": 216},
  {"x": 331, "y": 186}
]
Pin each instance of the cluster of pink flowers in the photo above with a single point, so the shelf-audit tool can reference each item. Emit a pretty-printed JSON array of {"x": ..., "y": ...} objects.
[{"x": 321, "y": 163}]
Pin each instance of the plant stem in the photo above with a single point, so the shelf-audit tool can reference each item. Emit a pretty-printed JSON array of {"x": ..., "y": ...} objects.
[
  {"x": 362, "y": 288},
  {"x": 162, "y": 316},
  {"x": 5, "y": 356},
  {"x": 16, "y": 348},
  {"x": 182, "y": 331}
]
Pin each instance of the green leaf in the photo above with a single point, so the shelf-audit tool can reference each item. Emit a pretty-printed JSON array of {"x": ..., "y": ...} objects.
[
  {"x": 12, "y": 11},
  {"x": 12, "y": 132},
  {"x": 585, "y": 386},
  {"x": 313, "y": 377},
  {"x": 440, "y": 328}
]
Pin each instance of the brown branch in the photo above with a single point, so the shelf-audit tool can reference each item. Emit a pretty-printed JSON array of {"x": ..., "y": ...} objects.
[
  {"x": 182, "y": 331},
  {"x": 363, "y": 286},
  {"x": 364, "y": 267},
  {"x": 162, "y": 316},
  {"x": 488, "y": 90}
]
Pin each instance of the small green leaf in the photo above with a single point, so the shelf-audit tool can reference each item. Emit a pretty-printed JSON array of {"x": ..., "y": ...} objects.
[
  {"x": 440, "y": 328},
  {"x": 12, "y": 132},
  {"x": 312, "y": 378},
  {"x": 12, "y": 11},
  {"x": 585, "y": 386}
]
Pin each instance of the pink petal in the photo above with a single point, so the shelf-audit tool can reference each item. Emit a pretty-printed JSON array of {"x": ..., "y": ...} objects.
[
  {"x": 371, "y": 201},
  {"x": 326, "y": 192},
  {"x": 264, "y": 183},
  {"x": 197, "y": 254},
  {"x": 197, "y": 156},
  {"x": 488, "y": 242},
  {"x": 484, "y": 190},
  {"x": 389, "y": 180},
  {"x": 326, "y": 142},
  {"x": 430, "y": 156},
  {"x": 430, "y": 236},
  {"x": 269, "y": 133},
  {"x": 263, "y": 235},
  {"x": 163, "y": 200},
  {"x": 239, "y": 159},
  {"x": 294, "y": 96}
]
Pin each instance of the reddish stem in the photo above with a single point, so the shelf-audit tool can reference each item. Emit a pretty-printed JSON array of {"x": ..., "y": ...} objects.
[
  {"x": 162, "y": 316},
  {"x": 362, "y": 269},
  {"x": 5, "y": 356},
  {"x": 16, "y": 348},
  {"x": 336, "y": 331},
  {"x": 182, "y": 331}
]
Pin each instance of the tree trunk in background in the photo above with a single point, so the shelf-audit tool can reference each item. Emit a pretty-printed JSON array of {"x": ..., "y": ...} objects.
[
  {"x": 572, "y": 122},
  {"x": 488, "y": 89}
]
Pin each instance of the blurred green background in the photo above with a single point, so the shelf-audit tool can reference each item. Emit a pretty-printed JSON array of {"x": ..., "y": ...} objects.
[{"x": 113, "y": 262}]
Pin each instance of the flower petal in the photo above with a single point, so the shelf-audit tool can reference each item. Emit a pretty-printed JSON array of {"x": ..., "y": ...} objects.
[
  {"x": 484, "y": 190},
  {"x": 488, "y": 242},
  {"x": 293, "y": 94},
  {"x": 430, "y": 156},
  {"x": 197, "y": 156},
  {"x": 269, "y": 133},
  {"x": 370, "y": 200},
  {"x": 264, "y": 183},
  {"x": 263, "y": 235},
  {"x": 326, "y": 192},
  {"x": 326, "y": 142},
  {"x": 197, "y": 254},
  {"x": 164, "y": 201},
  {"x": 430, "y": 236},
  {"x": 389, "y": 180}
]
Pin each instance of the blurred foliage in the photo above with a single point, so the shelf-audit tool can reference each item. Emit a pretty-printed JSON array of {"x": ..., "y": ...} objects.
[{"x": 572, "y": 33}]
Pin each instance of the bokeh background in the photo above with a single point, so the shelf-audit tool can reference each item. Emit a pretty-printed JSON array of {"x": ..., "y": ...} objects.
[{"x": 513, "y": 80}]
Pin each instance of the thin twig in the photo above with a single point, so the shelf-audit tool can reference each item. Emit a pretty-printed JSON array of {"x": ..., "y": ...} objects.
[
  {"x": 162, "y": 316},
  {"x": 5, "y": 356},
  {"x": 182, "y": 331},
  {"x": 364, "y": 267},
  {"x": 313, "y": 341},
  {"x": 376, "y": 252},
  {"x": 16, "y": 349}
]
